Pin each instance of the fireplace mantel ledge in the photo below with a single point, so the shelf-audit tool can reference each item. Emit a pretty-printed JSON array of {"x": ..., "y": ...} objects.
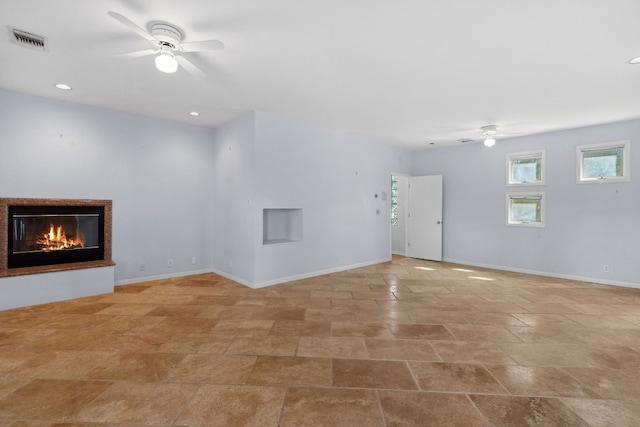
[{"x": 12, "y": 272}]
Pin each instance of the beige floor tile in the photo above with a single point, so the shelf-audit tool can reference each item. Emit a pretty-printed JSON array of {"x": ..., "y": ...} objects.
[
  {"x": 542, "y": 354},
  {"x": 323, "y": 407},
  {"x": 400, "y": 349},
  {"x": 125, "y": 309},
  {"x": 57, "y": 400},
  {"x": 378, "y": 374},
  {"x": 178, "y": 324},
  {"x": 212, "y": 369},
  {"x": 516, "y": 411},
  {"x": 300, "y": 328},
  {"x": 61, "y": 364},
  {"x": 131, "y": 342},
  {"x": 615, "y": 384},
  {"x": 145, "y": 367},
  {"x": 247, "y": 406},
  {"x": 345, "y": 347},
  {"x": 455, "y": 377},
  {"x": 263, "y": 346},
  {"x": 471, "y": 352},
  {"x": 421, "y": 332},
  {"x": 413, "y": 409},
  {"x": 292, "y": 371},
  {"x": 490, "y": 333},
  {"x": 137, "y": 403},
  {"x": 540, "y": 381},
  {"x": 360, "y": 329},
  {"x": 131, "y": 323},
  {"x": 197, "y": 343},
  {"x": 605, "y": 413},
  {"x": 243, "y": 327},
  {"x": 10, "y": 384}
]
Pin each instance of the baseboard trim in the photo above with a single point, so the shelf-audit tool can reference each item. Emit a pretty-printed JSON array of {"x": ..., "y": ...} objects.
[
  {"x": 317, "y": 273},
  {"x": 246, "y": 282},
  {"x": 232, "y": 277},
  {"x": 546, "y": 274},
  {"x": 161, "y": 277}
]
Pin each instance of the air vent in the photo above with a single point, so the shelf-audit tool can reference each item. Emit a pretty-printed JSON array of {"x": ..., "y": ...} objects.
[{"x": 29, "y": 40}]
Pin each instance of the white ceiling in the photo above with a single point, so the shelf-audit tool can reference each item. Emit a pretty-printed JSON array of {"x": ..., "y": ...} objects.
[{"x": 414, "y": 73}]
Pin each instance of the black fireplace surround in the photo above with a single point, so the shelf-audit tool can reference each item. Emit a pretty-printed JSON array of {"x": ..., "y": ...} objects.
[{"x": 48, "y": 235}]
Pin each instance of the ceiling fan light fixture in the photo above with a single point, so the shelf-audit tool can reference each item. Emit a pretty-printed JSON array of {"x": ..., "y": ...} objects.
[
  {"x": 635, "y": 60},
  {"x": 166, "y": 61},
  {"x": 489, "y": 142},
  {"x": 62, "y": 86}
]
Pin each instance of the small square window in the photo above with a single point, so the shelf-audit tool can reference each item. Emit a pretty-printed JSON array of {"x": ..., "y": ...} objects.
[
  {"x": 608, "y": 162},
  {"x": 526, "y": 168},
  {"x": 525, "y": 209}
]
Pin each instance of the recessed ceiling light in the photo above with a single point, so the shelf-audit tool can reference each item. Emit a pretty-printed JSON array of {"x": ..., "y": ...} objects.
[
  {"x": 635, "y": 60},
  {"x": 62, "y": 86},
  {"x": 194, "y": 113}
]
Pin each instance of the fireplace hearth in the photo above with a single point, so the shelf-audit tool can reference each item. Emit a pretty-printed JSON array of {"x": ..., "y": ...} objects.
[{"x": 43, "y": 235}]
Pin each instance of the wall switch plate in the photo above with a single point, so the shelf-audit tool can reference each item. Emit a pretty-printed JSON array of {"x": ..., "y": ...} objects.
[
  {"x": 169, "y": 263},
  {"x": 193, "y": 260}
]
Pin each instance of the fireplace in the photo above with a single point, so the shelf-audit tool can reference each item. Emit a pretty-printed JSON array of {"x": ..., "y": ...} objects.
[
  {"x": 40, "y": 235},
  {"x": 46, "y": 235}
]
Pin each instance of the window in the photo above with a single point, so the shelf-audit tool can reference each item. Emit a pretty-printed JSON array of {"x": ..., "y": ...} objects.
[
  {"x": 394, "y": 200},
  {"x": 526, "y": 209},
  {"x": 608, "y": 162},
  {"x": 526, "y": 168}
]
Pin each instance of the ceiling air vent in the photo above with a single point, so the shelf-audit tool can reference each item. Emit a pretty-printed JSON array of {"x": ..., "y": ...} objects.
[{"x": 26, "y": 39}]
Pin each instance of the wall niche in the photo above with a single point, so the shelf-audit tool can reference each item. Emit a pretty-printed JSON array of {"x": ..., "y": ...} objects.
[{"x": 281, "y": 226}]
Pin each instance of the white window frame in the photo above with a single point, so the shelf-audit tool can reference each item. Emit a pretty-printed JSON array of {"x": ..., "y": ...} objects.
[
  {"x": 538, "y": 154},
  {"x": 529, "y": 195},
  {"x": 626, "y": 155}
]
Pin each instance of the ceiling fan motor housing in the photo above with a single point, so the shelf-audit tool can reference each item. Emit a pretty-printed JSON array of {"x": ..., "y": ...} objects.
[
  {"x": 489, "y": 130},
  {"x": 166, "y": 34}
]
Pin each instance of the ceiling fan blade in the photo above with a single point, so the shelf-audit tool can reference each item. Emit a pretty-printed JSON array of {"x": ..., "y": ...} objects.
[
  {"x": 138, "y": 54},
  {"x": 202, "y": 46},
  {"x": 189, "y": 66},
  {"x": 129, "y": 24}
]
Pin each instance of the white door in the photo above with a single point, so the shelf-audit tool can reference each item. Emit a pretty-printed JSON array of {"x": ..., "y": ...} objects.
[{"x": 424, "y": 222}]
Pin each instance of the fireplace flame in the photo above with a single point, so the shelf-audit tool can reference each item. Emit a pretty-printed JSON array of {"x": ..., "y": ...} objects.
[{"x": 56, "y": 240}]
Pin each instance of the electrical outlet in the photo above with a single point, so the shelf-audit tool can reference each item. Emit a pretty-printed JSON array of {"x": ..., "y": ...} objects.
[
  {"x": 193, "y": 260},
  {"x": 605, "y": 268},
  {"x": 169, "y": 263},
  {"x": 142, "y": 267}
]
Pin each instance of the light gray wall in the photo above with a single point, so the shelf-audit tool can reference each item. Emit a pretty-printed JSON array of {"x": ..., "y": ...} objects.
[
  {"x": 266, "y": 162},
  {"x": 233, "y": 192},
  {"x": 587, "y": 227},
  {"x": 158, "y": 174},
  {"x": 333, "y": 177},
  {"x": 398, "y": 233}
]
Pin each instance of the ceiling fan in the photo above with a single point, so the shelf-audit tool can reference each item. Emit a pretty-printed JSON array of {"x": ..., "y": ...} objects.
[
  {"x": 169, "y": 49},
  {"x": 489, "y": 134}
]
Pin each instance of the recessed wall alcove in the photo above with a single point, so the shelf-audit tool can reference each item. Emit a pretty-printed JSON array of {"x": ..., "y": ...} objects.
[
  {"x": 53, "y": 250},
  {"x": 281, "y": 226}
]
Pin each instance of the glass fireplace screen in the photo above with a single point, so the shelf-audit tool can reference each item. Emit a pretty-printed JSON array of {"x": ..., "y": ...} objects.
[
  {"x": 55, "y": 235},
  {"x": 36, "y": 233}
]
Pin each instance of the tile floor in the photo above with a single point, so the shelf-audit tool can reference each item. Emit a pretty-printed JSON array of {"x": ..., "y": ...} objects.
[{"x": 405, "y": 343}]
